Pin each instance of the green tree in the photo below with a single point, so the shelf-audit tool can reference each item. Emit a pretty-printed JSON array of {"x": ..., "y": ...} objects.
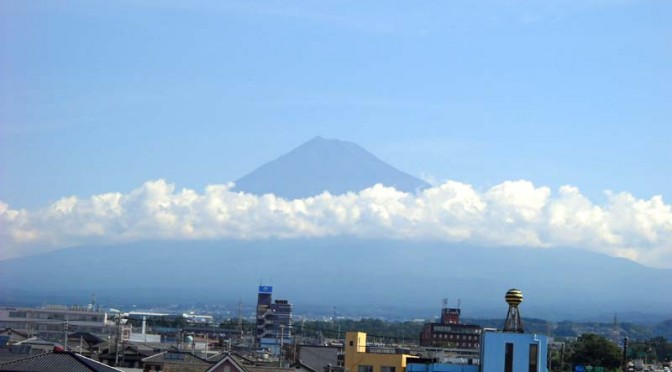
[{"x": 591, "y": 349}]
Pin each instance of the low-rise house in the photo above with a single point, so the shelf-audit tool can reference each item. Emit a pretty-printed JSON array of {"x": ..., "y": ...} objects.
[
  {"x": 130, "y": 355},
  {"x": 315, "y": 358},
  {"x": 227, "y": 364},
  {"x": 41, "y": 345},
  {"x": 10, "y": 353},
  {"x": 56, "y": 361},
  {"x": 11, "y": 336},
  {"x": 175, "y": 361}
]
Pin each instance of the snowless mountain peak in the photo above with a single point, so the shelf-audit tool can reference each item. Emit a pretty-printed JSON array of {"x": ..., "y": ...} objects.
[{"x": 321, "y": 165}]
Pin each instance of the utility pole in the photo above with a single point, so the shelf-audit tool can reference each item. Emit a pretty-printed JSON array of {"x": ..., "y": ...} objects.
[
  {"x": 294, "y": 353},
  {"x": 116, "y": 348},
  {"x": 625, "y": 354},
  {"x": 65, "y": 336},
  {"x": 240, "y": 319},
  {"x": 282, "y": 337}
]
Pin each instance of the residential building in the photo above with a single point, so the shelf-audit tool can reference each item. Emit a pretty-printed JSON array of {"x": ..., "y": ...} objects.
[
  {"x": 10, "y": 353},
  {"x": 234, "y": 362},
  {"x": 129, "y": 355},
  {"x": 318, "y": 358},
  {"x": 175, "y": 361},
  {"x": 274, "y": 321},
  {"x": 227, "y": 364},
  {"x": 359, "y": 358},
  {"x": 11, "y": 336},
  {"x": 56, "y": 361}
]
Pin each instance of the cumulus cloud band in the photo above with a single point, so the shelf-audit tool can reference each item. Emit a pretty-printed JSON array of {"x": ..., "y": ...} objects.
[{"x": 513, "y": 213}]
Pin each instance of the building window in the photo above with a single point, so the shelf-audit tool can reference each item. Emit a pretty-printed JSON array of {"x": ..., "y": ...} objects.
[
  {"x": 362, "y": 368},
  {"x": 534, "y": 356},
  {"x": 351, "y": 343},
  {"x": 508, "y": 357},
  {"x": 387, "y": 369}
]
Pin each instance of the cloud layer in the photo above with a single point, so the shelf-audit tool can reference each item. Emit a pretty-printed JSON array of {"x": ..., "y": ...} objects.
[{"x": 514, "y": 213}]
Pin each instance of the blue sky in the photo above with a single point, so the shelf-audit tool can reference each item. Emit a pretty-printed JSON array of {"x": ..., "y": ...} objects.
[{"x": 102, "y": 96}]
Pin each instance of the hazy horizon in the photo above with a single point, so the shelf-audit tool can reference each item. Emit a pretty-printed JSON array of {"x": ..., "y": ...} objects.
[{"x": 535, "y": 128}]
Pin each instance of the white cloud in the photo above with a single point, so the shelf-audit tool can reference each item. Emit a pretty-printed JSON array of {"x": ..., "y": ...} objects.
[{"x": 512, "y": 213}]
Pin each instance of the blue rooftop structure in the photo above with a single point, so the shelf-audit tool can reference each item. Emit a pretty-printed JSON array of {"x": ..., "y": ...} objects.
[{"x": 509, "y": 352}]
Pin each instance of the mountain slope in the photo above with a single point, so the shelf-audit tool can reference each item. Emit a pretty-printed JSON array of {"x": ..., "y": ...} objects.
[
  {"x": 557, "y": 283},
  {"x": 325, "y": 165}
]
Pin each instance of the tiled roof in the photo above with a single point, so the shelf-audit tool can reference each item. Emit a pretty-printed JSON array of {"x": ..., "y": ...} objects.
[
  {"x": 318, "y": 357},
  {"x": 89, "y": 338},
  {"x": 227, "y": 357},
  {"x": 56, "y": 362},
  {"x": 175, "y": 357},
  {"x": 9, "y": 331},
  {"x": 14, "y": 352},
  {"x": 240, "y": 359}
]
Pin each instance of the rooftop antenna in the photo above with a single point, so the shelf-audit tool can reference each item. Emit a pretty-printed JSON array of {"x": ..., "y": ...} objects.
[
  {"x": 445, "y": 303},
  {"x": 459, "y": 303}
]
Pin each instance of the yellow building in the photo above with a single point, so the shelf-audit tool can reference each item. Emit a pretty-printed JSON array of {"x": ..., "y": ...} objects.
[{"x": 357, "y": 359}]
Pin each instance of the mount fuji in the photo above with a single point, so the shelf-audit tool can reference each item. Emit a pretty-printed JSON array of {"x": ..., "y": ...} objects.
[{"x": 321, "y": 165}]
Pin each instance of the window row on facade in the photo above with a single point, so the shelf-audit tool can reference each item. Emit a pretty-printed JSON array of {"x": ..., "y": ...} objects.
[
  {"x": 444, "y": 336},
  {"x": 368, "y": 368}
]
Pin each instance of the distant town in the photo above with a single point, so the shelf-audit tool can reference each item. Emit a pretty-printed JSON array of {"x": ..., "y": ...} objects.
[{"x": 272, "y": 337}]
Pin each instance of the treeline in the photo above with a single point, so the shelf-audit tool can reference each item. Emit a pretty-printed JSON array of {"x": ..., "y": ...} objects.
[
  {"x": 394, "y": 332},
  {"x": 389, "y": 331},
  {"x": 409, "y": 331},
  {"x": 567, "y": 329}
]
